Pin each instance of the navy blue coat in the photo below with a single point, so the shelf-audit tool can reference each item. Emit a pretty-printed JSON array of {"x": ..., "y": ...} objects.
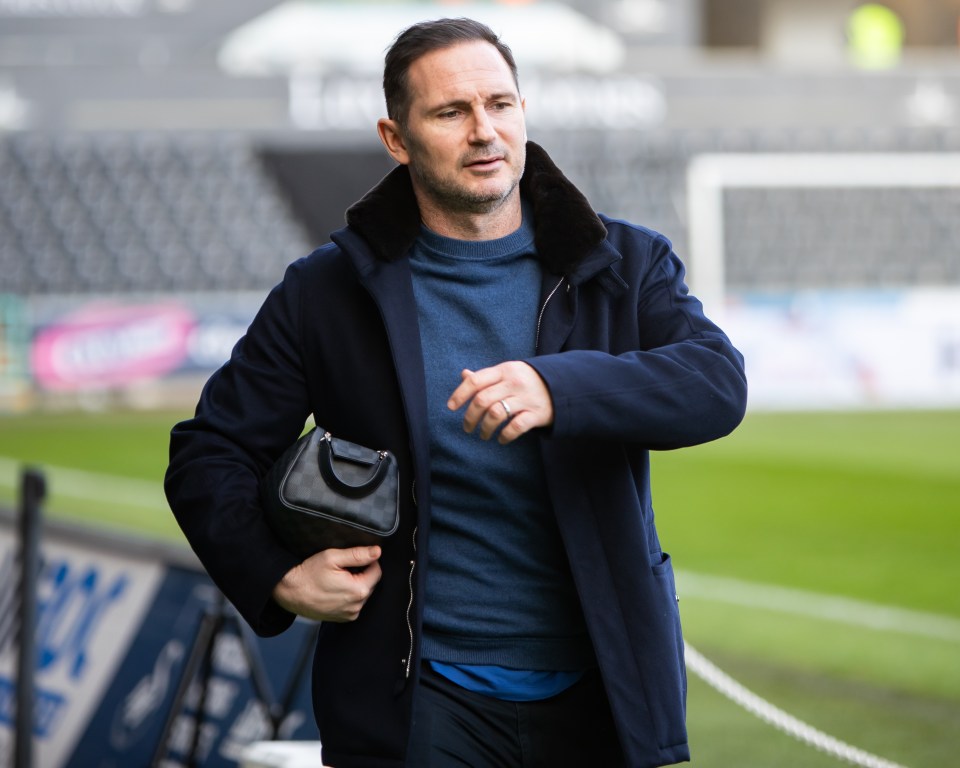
[{"x": 632, "y": 364}]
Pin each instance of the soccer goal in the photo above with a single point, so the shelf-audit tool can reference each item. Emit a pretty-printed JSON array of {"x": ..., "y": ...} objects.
[{"x": 709, "y": 176}]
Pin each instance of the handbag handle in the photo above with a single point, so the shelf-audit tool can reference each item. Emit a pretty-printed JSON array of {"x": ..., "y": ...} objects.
[{"x": 329, "y": 474}]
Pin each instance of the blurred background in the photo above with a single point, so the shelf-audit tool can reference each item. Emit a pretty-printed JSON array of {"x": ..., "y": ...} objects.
[
  {"x": 169, "y": 148},
  {"x": 161, "y": 161}
]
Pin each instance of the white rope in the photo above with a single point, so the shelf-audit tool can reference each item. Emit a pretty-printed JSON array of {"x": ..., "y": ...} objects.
[{"x": 726, "y": 685}]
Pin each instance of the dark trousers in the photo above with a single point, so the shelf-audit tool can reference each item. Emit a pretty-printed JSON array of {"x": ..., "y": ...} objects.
[{"x": 457, "y": 728}]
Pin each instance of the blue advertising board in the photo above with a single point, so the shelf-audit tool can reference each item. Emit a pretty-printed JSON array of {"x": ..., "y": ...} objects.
[{"x": 116, "y": 627}]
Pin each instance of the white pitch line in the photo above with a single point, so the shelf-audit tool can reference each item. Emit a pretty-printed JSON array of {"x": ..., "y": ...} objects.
[
  {"x": 843, "y": 610},
  {"x": 92, "y": 486}
]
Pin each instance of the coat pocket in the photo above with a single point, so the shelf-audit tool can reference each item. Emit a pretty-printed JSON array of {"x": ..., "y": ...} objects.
[{"x": 671, "y": 671}]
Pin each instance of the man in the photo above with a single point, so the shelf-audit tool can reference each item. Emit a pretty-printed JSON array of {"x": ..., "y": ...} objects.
[{"x": 520, "y": 355}]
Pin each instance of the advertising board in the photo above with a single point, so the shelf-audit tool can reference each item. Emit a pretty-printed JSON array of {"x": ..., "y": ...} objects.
[{"x": 115, "y": 630}]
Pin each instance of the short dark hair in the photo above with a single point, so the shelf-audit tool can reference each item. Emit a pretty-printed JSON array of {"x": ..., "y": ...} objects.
[{"x": 426, "y": 37}]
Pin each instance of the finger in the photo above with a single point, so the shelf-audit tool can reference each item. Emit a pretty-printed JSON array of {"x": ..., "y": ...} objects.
[
  {"x": 486, "y": 411},
  {"x": 370, "y": 577},
  {"x": 353, "y": 557},
  {"x": 464, "y": 391},
  {"x": 486, "y": 406},
  {"x": 519, "y": 425},
  {"x": 491, "y": 418},
  {"x": 471, "y": 383},
  {"x": 364, "y": 584},
  {"x": 353, "y": 594}
]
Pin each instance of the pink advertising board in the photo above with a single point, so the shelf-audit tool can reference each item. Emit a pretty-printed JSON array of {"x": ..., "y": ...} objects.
[{"x": 106, "y": 344}]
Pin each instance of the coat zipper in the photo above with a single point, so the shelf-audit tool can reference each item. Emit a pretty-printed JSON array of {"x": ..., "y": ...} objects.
[
  {"x": 408, "y": 662},
  {"x": 544, "y": 309}
]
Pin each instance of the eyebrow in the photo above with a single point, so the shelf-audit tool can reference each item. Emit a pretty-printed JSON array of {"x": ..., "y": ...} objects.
[{"x": 500, "y": 96}]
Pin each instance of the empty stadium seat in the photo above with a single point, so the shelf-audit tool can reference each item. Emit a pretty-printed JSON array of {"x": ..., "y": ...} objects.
[{"x": 173, "y": 212}]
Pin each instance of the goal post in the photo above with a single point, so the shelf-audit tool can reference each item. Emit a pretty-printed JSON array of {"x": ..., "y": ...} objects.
[{"x": 709, "y": 175}]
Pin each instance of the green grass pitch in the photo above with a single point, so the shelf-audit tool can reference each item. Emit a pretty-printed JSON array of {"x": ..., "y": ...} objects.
[{"x": 861, "y": 506}]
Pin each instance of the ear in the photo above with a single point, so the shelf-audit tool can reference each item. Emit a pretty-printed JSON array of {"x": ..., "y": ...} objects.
[
  {"x": 392, "y": 138},
  {"x": 523, "y": 108}
]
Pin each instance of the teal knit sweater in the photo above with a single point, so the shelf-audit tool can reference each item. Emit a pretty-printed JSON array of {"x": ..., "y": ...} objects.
[{"x": 499, "y": 589}]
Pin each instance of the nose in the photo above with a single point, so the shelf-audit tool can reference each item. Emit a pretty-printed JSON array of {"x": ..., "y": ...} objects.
[{"x": 483, "y": 131}]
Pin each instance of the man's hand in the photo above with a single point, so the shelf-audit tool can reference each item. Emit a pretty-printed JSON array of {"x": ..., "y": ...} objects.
[
  {"x": 332, "y": 585},
  {"x": 510, "y": 394}
]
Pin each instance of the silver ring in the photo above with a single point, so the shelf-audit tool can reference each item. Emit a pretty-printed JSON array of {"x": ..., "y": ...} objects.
[{"x": 506, "y": 408}]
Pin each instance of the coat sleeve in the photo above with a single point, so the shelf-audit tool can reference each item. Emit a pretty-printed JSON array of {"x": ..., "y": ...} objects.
[
  {"x": 249, "y": 411},
  {"x": 682, "y": 385}
]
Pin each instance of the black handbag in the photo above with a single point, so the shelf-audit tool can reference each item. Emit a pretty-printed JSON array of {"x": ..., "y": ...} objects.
[{"x": 326, "y": 492}]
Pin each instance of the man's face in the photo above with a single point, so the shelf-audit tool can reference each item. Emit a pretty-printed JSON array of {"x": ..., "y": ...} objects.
[{"x": 464, "y": 136}]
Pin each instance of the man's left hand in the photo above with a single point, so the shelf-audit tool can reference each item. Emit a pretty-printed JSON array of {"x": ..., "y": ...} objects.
[{"x": 511, "y": 395}]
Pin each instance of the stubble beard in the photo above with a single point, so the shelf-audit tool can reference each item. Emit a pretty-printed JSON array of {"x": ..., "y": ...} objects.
[
  {"x": 454, "y": 197},
  {"x": 458, "y": 198}
]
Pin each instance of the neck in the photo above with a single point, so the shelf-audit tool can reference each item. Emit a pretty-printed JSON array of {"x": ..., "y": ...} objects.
[{"x": 497, "y": 222}]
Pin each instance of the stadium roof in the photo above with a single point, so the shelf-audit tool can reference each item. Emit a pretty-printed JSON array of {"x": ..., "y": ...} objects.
[{"x": 304, "y": 36}]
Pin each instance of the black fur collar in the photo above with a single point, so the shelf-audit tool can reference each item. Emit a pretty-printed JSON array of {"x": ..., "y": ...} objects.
[{"x": 567, "y": 228}]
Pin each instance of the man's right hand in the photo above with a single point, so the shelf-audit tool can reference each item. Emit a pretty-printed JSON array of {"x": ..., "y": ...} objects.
[{"x": 332, "y": 585}]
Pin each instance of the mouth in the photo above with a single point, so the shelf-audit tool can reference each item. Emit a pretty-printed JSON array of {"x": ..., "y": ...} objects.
[{"x": 484, "y": 163}]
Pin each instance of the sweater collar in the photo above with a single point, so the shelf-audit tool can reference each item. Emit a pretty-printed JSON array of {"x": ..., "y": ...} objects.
[{"x": 566, "y": 228}]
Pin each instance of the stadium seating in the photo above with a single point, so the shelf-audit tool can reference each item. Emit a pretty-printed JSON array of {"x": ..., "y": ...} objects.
[
  {"x": 110, "y": 213},
  {"x": 784, "y": 239},
  {"x": 122, "y": 212}
]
